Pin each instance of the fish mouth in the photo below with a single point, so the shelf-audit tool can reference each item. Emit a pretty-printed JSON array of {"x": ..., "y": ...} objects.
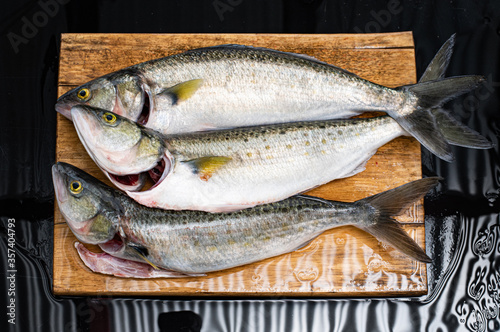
[
  {"x": 85, "y": 122},
  {"x": 86, "y": 126},
  {"x": 66, "y": 102},
  {"x": 131, "y": 182},
  {"x": 59, "y": 185},
  {"x": 62, "y": 195},
  {"x": 64, "y": 107},
  {"x": 138, "y": 182}
]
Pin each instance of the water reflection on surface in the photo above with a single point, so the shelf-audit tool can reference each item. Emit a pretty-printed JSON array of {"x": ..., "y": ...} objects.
[{"x": 464, "y": 283}]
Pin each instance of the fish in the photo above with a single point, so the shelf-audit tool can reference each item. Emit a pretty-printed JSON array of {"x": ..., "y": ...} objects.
[
  {"x": 227, "y": 170},
  {"x": 230, "y": 86},
  {"x": 138, "y": 241}
]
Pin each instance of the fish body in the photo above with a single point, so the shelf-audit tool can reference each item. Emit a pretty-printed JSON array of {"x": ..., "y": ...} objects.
[
  {"x": 195, "y": 242},
  {"x": 245, "y": 86},
  {"x": 234, "y": 86},
  {"x": 263, "y": 164},
  {"x": 221, "y": 171},
  {"x": 200, "y": 242},
  {"x": 231, "y": 86}
]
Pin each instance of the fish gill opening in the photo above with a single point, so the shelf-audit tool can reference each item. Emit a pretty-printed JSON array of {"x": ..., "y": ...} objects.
[{"x": 146, "y": 110}]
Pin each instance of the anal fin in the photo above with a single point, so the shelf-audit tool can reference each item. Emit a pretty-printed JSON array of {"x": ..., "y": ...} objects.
[{"x": 361, "y": 166}]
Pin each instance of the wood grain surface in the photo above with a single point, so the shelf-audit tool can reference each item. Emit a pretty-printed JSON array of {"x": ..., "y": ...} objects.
[{"x": 341, "y": 262}]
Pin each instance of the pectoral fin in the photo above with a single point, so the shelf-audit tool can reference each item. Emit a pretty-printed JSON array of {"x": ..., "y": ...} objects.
[
  {"x": 205, "y": 167},
  {"x": 182, "y": 91},
  {"x": 142, "y": 253}
]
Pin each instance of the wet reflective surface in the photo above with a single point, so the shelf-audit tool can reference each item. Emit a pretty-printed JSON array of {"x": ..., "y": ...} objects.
[
  {"x": 464, "y": 282},
  {"x": 462, "y": 218}
]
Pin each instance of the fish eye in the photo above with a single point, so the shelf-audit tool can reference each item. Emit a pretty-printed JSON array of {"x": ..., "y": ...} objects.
[
  {"x": 109, "y": 118},
  {"x": 75, "y": 187},
  {"x": 83, "y": 94}
]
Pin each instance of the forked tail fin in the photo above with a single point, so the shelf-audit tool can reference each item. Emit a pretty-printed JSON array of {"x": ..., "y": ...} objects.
[
  {"x": 437, "y": 68},
  {"x": 421, "y": 120},
  {"x": 392, "y": 203},
  {"x": 434, "y": 127},
  {"x": 458, "y": 134},
  {"x": 422, "y": 117}
]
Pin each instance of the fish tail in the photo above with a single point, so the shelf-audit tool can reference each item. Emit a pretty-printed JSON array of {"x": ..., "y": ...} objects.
[
  {"x": 425, "y": 120},
  {"x": 434, "y": 127},
  {"x": 458, "y": 134},
  {"x": 437, "y": 67},
  {"x": 392, "y": 203}
]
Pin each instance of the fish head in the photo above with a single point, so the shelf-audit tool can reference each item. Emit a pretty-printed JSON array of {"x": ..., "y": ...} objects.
[
  {"x": 97, "y": 93},
  {"x": 118, "y": 145},
  {"x": 89, "y": 207},
  {"x": 122, "y": 93}
]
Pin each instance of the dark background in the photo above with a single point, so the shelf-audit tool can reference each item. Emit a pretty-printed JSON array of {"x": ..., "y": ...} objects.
[{"x": 462, "y": 216}]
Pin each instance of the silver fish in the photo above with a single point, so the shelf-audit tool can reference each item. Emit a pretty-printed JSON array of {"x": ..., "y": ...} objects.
[
  {"x": 232, "y": 86},
  {"x": 194, "y": 242},
  {"x": 221, "y": 171}
]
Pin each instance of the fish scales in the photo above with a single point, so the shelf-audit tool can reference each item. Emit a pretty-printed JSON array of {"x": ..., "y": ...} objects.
[
  {"x": 299, "y": 155},
  {"x": 301, "y": 137},
  {"x": 254, "y": 79},
  {"x": 200, "y": 242}
]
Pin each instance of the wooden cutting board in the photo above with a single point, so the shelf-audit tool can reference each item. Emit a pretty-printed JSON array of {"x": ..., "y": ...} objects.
[{"x": 342, "y": 262}]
